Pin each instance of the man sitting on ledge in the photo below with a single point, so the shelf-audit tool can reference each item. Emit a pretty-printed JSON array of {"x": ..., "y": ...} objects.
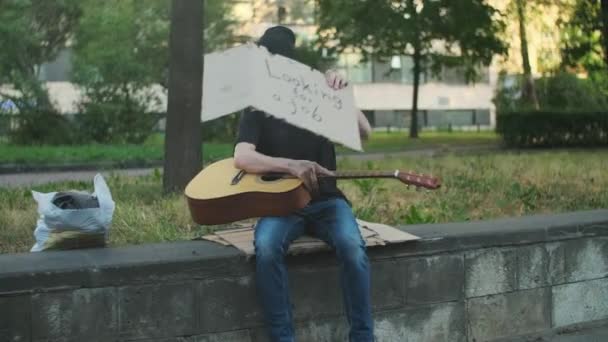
[{"x": 266, "y": 144}]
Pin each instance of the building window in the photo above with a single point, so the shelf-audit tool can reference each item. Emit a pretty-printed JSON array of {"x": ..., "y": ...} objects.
[
  {"x": 457, "y": 118},
  {"x": 354, "y": 69},
  {"x": 457, "y": 76}
]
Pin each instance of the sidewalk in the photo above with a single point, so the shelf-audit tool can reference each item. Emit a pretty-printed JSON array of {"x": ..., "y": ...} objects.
[{"x": 32, "y": 179}]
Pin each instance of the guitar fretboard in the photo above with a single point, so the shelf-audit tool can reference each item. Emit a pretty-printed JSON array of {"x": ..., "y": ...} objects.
[{"x": 364, "y": 174}]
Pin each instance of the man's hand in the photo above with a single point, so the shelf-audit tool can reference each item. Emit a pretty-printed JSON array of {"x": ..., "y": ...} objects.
[
  {"x": 334, "y": 80},
  {"x": 307, "y": 171}
]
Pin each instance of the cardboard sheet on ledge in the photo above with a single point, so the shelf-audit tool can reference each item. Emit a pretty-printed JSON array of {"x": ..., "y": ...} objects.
[{"x": 374, "y": 234}]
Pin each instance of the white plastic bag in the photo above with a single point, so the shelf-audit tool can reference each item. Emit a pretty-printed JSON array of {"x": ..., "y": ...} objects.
[{"x": 77, "y": 223}]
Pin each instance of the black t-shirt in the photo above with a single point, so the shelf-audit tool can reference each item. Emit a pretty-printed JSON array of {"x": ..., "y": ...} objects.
[{"x": 276, "y": 138}]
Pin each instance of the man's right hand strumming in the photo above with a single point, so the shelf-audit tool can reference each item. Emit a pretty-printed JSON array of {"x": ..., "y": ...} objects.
[
  {"x": 308, "y": 172},
  {"x": 247, "y": 158}
]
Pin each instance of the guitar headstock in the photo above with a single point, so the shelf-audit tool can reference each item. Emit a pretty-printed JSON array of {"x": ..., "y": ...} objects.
[{"x": 420, "y": 181}]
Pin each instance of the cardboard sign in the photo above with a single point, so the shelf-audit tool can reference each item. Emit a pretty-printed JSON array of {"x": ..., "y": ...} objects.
[{"x": 249, "y": 75}]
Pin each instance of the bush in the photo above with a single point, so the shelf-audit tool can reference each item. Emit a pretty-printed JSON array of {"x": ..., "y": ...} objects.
[
  {"x": 42, "y": 128},
  {"x": 565, "y": 91},
  {"x": 115, "y": 123},
  {"x": 553, "y": 129},
  {"x": 5, "y": 124},
  {"x": 222, "y": 129},
  {"x": 559, "y": 92}
]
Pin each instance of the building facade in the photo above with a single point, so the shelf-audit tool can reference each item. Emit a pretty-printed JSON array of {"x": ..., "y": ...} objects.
[{"x": 383, "y": 89}]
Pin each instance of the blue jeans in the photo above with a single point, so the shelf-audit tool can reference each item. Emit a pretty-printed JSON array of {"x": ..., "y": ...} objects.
[{"x": 332, "y": 221}]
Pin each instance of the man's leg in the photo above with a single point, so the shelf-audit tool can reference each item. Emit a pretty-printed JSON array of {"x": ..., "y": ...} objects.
[
  {"x": 336, "y": 225},
  {"x": 272, "y": 238}
]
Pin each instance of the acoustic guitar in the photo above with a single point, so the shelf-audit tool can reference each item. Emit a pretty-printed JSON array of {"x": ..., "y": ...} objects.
[{"x": 221, "y": 194}]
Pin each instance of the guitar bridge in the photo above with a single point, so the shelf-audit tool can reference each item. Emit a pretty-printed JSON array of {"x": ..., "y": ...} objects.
[{"x": 238, "y": 177}]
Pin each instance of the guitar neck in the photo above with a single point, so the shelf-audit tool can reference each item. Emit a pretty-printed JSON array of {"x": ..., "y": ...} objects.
[
  {"x": 352, "y": 174},
  {"x": 408, "y": 178},
  {"x": 363, "y": 174}
]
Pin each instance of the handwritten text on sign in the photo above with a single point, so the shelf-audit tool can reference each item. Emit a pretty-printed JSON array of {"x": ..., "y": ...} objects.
[{"x": 249, "y": 76}]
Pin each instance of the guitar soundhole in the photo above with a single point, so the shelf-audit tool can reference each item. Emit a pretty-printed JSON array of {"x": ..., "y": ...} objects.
[{"x": 271, "y": 178}]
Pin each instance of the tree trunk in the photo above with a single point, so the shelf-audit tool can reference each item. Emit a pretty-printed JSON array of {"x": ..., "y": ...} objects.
[
  {"x": 183, "y": 138},
  {"x": 417, "y": 60},
  {"x": 605, "y": 30},
  {"x": 528, "y": 91},
  {"x": 414, "y": 120}
]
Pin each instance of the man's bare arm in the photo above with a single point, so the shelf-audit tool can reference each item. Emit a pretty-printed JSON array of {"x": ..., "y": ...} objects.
[
  {"x": 365, "y": 129},
  {"x": 336, "y": 81},
  {"x": 248, "y": 159}
]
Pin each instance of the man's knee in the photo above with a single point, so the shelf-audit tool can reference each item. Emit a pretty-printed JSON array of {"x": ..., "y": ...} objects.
[
  {"x": 268, "y": 250},
  {"x": 351, "y": 250}
]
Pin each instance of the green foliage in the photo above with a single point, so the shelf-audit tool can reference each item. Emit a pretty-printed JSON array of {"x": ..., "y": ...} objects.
[
  {"x": 310, "y": 52},
  {"x": 39, "y": 128},
  {"x": 116, "y": 62},
  {"x": 415, "y": 216},
  {"x": 223, "y": 129},
  {"x": 219, "y": 26},
  {"x": 368, "y": 190},
  {"x": 121, "y": 61},
  {"x": 467, "y": 28},
  {"x": 582, "y": 37},
  {"x": 559, "y": 92},
  {"x": 527, "y": 195},
  {"x": 31, "y": 33},
  {"x": 366, "y": 186},
  {"x": 5, "y": 125},
  {"x": 565, "y": 91},
  {"x": 554, "y": 129},
  {"x": 120, "y": 121},
  {"x": 120, "y": 51}
]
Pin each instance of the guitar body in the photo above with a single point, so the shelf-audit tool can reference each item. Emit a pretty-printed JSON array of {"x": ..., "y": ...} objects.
[{"x": 220, "y": 193}]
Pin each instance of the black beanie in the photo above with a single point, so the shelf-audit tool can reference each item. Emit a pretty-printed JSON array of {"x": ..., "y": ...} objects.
[{"x": 279, "y": 40}]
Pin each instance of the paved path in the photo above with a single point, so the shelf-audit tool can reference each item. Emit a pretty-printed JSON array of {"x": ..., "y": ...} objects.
[
  {"x": 29, "y": 179},
  {"x": 34, "y": 178}
]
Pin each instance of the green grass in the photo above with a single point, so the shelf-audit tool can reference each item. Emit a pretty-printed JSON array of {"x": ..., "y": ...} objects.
[
  {"x": 475, "y": 187},
  {"x": 400, "y": 141},
  {"x": 153, "y": 149},
  {"x": 395, "y": 141}
]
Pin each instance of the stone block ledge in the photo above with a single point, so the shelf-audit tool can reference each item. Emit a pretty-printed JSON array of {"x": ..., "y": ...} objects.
[{"x": 476, "y": 281}]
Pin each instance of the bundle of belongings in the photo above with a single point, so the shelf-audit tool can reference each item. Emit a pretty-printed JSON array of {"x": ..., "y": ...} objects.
[{"x": 74, "y": 219}]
